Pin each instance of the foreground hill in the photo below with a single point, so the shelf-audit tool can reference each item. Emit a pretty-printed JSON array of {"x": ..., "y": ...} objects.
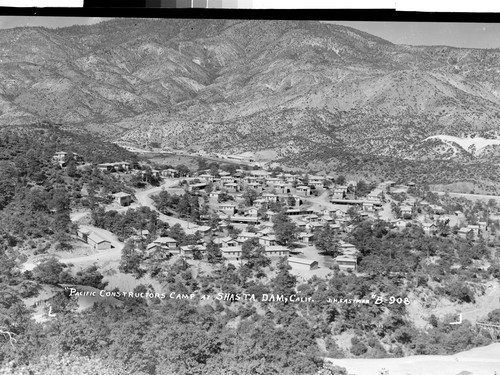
[{"x": 310, "y": 91}]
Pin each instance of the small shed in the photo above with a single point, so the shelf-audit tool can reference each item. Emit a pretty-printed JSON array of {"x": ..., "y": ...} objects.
[
  {"x": 347, "y": 262},
  {"x": 302, "y": 264},
  {"x": 97, "y": 242},
  {"x": 123, "y": 199}
]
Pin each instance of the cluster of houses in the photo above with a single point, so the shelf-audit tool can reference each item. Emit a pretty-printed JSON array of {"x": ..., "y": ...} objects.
[
  {"x": 261, "y": 180},
  {"x": 232, "y": 248},
  {"x": 62, "y": 158},
  {"x": 344, "y": 195},
  {"x": 433, "y": 217}
]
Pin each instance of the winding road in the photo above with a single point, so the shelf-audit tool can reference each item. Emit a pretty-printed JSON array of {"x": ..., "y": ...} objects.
[{"x": 144, "y": 199}]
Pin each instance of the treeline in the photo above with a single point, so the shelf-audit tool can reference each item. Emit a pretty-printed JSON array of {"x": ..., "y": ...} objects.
[
  {"x": 172, "y": 336},
  {"x": 36, "y": 213},
  {"x": 185, "y": 205},
  {"x": 187, "y": 337},
  {"x": 444, "y": 264},
  {"x": 128, "y": 223}
]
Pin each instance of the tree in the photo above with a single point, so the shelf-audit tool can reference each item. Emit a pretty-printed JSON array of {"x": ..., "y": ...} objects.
[
  {"x": 214, "y": 254},
  {"x": 284, "y": 282},
  {"x": 183, "y": 170},
  {"x": 8, "y": 177},
  {"x": 202, "y": 163},
  {"x": 250, "y": 195},
  {"x": 354, "y": 214},
  {"x": 91, "y": 276},
  {"x": 254, "y": 254},
  {"x": 286, "y": 231},
  {"x": 305, "y": 180},
  {"x": 48, "y": 271},
  {"x": 71, "y": 170},
  {"x": 340, "y": 180},
  {"x": 131, "y": 259},
  {"x": 326, "y": 240},
  {"x": 177, "y": 233},
  {"x": 444, "y": 227}
]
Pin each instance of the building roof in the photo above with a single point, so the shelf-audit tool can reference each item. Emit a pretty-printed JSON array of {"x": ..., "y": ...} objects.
[
  {"x": 270, "y": 237},
  {"x": 94, "y": 237},
  {"x": 276, "y": 248},
  {"x": 220, "y": 240},
  {"x": 121, "y": 195},
  {"x": 231, "y": 249},
  {"x": 204, "y": 228},
  {"x": 346, "y": 258},
  {"x": 304, "y": 234},
  {"x": 162, "y": 240},
  {"x": 249, "y": 234},
  {"x": 193, "y": 247},
  {"x": 301, "y": 260}
]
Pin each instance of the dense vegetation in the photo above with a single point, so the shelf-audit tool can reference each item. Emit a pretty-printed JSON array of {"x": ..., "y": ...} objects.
[
  {"x": 195, "y": 336},
  {"x": 36, "y": 196}
]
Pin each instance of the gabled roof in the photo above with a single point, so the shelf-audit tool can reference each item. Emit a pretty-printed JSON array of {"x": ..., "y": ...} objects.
[
  {"x": 96, "y": 238},
  {"x": 121, "y": 194},
  {"x": 270, "y": 237},
  {"x": 204, "y": 228},
  {"x": 193, "y": 247},
  {"x": 301, "y": 260},
  {"x": 221, "y": 240},
  {"x": 249, "y": 234},
  {"x": 346, "y": 258},
  {"x": 276, "y": 248},
  {"x": 162, "y": 240},
  {"x": 304, "y": 234}
]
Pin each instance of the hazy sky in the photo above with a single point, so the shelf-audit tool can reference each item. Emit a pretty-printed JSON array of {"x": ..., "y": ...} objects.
[
  {"x": 471, "y": 35},
  {"x": 7, "y": 22}
]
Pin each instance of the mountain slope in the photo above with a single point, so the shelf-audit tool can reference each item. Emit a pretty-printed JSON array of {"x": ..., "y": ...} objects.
[{"x": 245, "y": 85}]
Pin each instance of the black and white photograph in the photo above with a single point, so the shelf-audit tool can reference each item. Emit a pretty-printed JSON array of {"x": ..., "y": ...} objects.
[{"x": 245, "y": 196}]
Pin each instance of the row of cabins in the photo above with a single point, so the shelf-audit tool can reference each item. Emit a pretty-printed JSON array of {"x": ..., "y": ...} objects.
[
  {"x": 229, "y": 208},
  {"x": 432, "y": 228},
  {"x": 259, "y": 179},
  {"x": 364, "y": 205},
  {"x": 126, "y": 166}
]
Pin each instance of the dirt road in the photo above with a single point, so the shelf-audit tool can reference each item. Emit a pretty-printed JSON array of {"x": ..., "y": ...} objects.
[
  {"x": 478, "y": 361},
  {"x": 144, "y": 199}
]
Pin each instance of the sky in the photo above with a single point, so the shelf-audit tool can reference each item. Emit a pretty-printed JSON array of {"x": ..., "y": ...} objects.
[
  {"x": 8, "y": 22},
  {"x": 469, "y": 35}
]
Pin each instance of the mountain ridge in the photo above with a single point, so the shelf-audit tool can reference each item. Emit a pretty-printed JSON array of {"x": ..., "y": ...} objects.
[{"x": 197, "y": 82}]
